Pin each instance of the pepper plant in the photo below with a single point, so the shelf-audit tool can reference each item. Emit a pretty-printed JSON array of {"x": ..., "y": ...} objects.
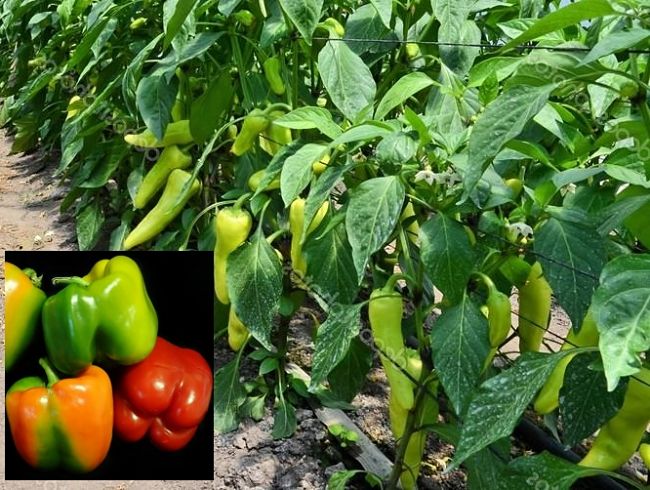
[{"x": 415, "y": 167}]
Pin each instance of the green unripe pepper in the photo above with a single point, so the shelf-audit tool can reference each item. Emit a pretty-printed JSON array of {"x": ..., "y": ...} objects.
[
  {"x": 171, "y": 158},
  {"x": 499, "y": 317},
  {"x": 620, "y": 436},
  {"x": 644, "y": 451},
  {"x": 549, "y": 397},
  {"x": 232, "y": 227},
  {"x": 413, "y": 228},
  {"x": 237, "y": 331},
  {"x": 177, "y": 133},
  {"x": 244, "y": 17},
  {"x": 516, "y": 186},
  {"x": 169, "y": 206},
  {"x": 296, "y": 227},
  {"x": 385, "y": 311},
  {"x": 637, "y": 222},
  {"x": 255, "y": 179},
  {"x": 534, "y": 309},
  {"x": 109, "y": 316},
  {"x": 254, "y": 123},
  {"x": 320, "y": 165},
  {"x": 138, "y": 23},
  {"x": 427, "y": 415},
  {"x": 274, "y": 137},
  {"x": 272, "y": 67}
]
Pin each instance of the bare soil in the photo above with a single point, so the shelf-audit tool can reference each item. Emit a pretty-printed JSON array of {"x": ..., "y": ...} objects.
[{"x": 30, "y": 198}]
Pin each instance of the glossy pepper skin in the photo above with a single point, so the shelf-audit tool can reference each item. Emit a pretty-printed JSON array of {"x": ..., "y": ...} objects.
[
  {"x": 165, "y": 396},
  {"x": 168, "y": 207},
  {"x": 23, "y": 303},
  {"x": 255, "y": 180},
  {"x": 412, "y": 227},
  {"x": 298, "y": 236},
  {"x": 233, "y": 226},
  {"x": 66, "y": 424},
  {"x": 644, "y": 451},
  {"x": 548, "y": 398},
  {"x": 171, "y": 158},
  {"x": 106, "y": 315},
  {"x": 534, "y": 309},
  {"x": 385, "y": 311},
  {"x": 273, "y": 76},
  {"x": 177, "y": 133},
  {"x": 427, "y": 414},
  {"x": 499, "y": 319},
  {"x": 254, "y": 123},
  {"x": 237, "y": 331},
  {"x": 620, "y": 436},
  {"x": 274, "y": 136}
]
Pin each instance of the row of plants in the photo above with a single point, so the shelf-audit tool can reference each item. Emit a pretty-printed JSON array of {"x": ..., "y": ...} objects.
[{"x": 359, "y": 157}]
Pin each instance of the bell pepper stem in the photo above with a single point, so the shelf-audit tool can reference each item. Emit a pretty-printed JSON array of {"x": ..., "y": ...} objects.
[
  {"x": 271, "y": 238},
  {"x": 241, "y": 200},
  {"x": 33, "y": 276},
  {"x": 392, "y": 280},
  {"x": 71, "y": 280},
  {"x": 489, "y": 284},
  {"x": 52, "y": 378},
  {"x": 278, "y": 106}
]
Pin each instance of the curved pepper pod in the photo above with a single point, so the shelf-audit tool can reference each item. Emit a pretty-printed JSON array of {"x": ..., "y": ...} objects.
[
  {"x": 24, "y": 301},
  {"x": 166, "y": 396},
  {"x": 66, "y": 424},
  {"x": 107, "y": 314},
  {"x": 171, "y": 203},
  {"x": 620, "y": 436}
]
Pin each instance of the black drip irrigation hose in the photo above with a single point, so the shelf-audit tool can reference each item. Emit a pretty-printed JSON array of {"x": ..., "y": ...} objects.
[{"x": 539, "y": 441}]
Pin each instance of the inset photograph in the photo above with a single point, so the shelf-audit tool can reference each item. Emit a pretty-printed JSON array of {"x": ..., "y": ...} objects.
[{"x": 108, "y": 366}]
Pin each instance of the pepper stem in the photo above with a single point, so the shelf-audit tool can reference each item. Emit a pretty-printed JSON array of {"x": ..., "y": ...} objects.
[
  {"x": 241, "y": 200},
  {"x": 71, "y": 280},
  {"x": 392, "y": 280},
  {"x": 33, "y": 276},
  {"x": 489, "y": 284},
  {"x": 52, "y": 378}
]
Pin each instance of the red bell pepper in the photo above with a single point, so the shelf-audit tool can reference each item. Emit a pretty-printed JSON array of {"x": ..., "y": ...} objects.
[{"x": 166, "y": 395}]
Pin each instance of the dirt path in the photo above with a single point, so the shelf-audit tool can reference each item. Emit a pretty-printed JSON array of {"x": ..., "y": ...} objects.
[{"x": 29, "y": 204}]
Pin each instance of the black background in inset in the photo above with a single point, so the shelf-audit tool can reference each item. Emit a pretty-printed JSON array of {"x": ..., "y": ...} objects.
[{"x": 180, "y": 285}]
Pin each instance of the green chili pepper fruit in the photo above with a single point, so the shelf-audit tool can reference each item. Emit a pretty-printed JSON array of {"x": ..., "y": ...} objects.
[
  {"x": 232, "y": 227},
  {"x": 620, "y": 436},
  {"x": 427, "y": 415},
  {"x": 534, "y": 309},
  {"x": 171, "y": 203},
  {"x": 644, "y": 451},
  {"x": 254, "y": 123},
  {"x": 171, "y": 158},
  {"x": 385, "y": 311},
  {"x": 177, "y": 133},
  {"x": 274, "y": 137},
  {"x": 108, "y": 317},
  {"x": 237, "y": 331},
  {"x": 255, "y": 180},
  {"x": 499, "y": 320},
  {"x": 637, "y": 222},
  {"x": 272, "y": 68},
  {"x": 549, "y": 397}
]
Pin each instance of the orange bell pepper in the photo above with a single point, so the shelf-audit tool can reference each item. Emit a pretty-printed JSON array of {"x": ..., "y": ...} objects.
[{"x": 66, "y": 424}]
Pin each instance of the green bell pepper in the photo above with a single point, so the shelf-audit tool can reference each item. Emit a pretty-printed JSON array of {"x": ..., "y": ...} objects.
[{"x": 106, "y": 315}]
